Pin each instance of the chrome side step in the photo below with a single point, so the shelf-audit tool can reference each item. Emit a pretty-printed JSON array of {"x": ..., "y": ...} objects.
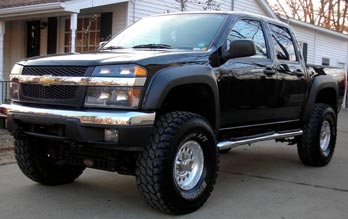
[{"x": 231, "y": 144}]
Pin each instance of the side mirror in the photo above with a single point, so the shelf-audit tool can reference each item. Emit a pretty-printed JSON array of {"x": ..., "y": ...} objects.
[
  {"x": 102, "y": 43},
  {"x": 240, "y": 48}
]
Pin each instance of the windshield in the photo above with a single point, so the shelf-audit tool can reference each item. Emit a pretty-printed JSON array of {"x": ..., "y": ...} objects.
[{"x": 181, "y": 31}]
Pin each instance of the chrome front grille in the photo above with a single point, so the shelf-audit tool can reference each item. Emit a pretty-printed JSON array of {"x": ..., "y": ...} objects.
[{"x": 60, "y": 94}]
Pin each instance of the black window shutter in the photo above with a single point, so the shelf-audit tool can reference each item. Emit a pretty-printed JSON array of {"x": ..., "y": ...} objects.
[
  {"x": 52, "y": 35},
  {"x": 105, "y": 26},
  {"x": 305, "y": 51}
]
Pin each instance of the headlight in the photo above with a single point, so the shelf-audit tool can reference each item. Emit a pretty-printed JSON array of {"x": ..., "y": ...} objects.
[
  {"x": 123, "y": 97},
  {"x": 120, "y": 71},
  {"x": 17, "y": 69}
]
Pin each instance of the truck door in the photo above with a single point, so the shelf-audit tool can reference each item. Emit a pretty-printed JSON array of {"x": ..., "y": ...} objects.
[
  {"x": 247, "y": 89},
  {"x": 291, "y": 84}
]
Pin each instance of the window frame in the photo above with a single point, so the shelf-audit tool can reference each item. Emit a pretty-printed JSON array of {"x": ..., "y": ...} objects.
[
  {"x": 294, "y": 42},
  {"x": 325, "y": 59},
  {"x": 264, "y": 32}
]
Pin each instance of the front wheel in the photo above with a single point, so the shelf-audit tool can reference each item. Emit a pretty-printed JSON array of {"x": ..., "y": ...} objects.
[
  {"x": 39, "y": 160},
  {"x": 317, "y": 145},
  {"x": 177, "y": 171}
]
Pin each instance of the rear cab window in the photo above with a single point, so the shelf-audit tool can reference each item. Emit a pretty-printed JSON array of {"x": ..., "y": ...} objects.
[{"x": 283, "y": 43}]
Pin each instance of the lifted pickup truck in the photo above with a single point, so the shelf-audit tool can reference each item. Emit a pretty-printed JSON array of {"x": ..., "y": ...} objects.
[{"x": 161, "y": 98}]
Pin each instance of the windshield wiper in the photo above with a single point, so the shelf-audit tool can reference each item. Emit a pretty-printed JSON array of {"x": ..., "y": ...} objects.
[
  {"x": 112, "y": 47},
  {"x": 154, "y": 46}
]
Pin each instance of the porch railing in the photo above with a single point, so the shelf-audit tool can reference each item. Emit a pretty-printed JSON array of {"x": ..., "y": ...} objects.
[{"x": 4, "y": 91}]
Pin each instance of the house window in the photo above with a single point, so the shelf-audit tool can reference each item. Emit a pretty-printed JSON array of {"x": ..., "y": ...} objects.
[
  {"x": 87, "y": 34},
  {"x": 325, "y": 61}
]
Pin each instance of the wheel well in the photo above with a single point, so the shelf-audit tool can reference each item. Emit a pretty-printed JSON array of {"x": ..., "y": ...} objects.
[
  {"x": 327, "y": 96},
  {"x": 196, "y": 98}
]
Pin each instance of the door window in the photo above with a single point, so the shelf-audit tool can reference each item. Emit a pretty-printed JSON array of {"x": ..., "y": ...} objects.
[
  {"x": 283, "y": 43},
  {"x": 251, "y": 30}
]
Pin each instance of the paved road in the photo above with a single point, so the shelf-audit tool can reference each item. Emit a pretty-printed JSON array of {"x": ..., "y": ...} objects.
[{"x": 265, "y": 180}]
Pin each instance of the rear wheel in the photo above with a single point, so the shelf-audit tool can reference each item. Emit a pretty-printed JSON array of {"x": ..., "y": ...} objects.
[
  {"x": 177, "y": 171},
  {"x": 316, "y": 146},
  {"x": 40, "y": 161}
]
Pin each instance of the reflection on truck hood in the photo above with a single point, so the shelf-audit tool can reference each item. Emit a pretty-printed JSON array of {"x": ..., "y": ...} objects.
[{"x": 143, "y": 57}]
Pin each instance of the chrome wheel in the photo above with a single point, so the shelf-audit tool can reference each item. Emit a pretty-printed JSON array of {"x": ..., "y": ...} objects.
[
  {"x": 325, "y": 136},
  {"x": 188, "y": 166}
]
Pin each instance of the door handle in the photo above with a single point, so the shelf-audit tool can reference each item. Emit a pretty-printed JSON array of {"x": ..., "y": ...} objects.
[
  {"x": 269, "y": 71},
  {"x": 299, "y": 72}
]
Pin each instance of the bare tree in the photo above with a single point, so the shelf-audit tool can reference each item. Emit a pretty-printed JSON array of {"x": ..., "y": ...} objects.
[
  {"x": 331, "y": 14},
  {"x": 183, "y": 4},
  {"x": 206, "y": 5},
  {"x": 211, "y": 5}
]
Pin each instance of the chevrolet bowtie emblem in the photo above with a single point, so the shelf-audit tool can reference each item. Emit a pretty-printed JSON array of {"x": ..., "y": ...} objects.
[{"x": 46, "y": 80}]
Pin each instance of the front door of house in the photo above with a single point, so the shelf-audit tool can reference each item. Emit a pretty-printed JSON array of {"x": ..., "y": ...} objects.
[{"x": 33, "y": 38}]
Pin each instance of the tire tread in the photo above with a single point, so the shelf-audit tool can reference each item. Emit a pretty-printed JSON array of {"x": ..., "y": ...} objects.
[{"x": 150, "y": 162}]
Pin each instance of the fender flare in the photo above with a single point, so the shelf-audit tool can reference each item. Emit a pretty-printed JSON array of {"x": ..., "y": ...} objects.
[
  {"x": 319, "y": 83},
  {"x": 166, "y": 79}
]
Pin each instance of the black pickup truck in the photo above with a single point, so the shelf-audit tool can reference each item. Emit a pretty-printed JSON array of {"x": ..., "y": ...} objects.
[{"x": 160, "y": 99}]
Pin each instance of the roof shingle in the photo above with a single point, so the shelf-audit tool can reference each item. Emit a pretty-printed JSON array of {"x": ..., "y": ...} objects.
[{"x": 19, "y": 3}]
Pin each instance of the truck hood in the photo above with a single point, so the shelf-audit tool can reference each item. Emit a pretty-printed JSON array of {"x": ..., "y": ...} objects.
[{"x": 142, "y": 57}]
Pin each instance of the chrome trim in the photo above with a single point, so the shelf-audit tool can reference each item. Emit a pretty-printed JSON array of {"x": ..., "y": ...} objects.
[
  {"x": 261, "y": 124},
  {"x": 47, "y": 80},
  {"x": 231, "y": 144},
  {"x": 121, "y": 118},
  {"x": 188, "y": 165},
  {"x": 325, "y": 137}
]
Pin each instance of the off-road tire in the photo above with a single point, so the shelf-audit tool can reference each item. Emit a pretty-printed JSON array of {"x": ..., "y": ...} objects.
[
  {"x": 309, "y": 148},
  {"x": 155, "y": 173},
  {"x": 32, "y": 158}
]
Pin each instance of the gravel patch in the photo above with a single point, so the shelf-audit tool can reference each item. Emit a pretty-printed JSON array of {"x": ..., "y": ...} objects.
[{"x": 6, "y": 148}]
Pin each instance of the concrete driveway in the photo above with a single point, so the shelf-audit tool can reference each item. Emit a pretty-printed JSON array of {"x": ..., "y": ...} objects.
[{"x": 265, "y": 180}]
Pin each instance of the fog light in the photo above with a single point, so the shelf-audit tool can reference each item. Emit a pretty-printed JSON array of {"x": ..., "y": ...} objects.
[{"x": 111, "y": 135}]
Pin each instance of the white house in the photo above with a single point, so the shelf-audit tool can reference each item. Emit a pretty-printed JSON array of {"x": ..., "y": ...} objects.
[{"x": 39, "y": 27}]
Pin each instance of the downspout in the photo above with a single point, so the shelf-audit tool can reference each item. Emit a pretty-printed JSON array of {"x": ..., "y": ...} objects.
[
  {"x": 345, "y": 72},
  {"x": 315, "y": 46},
  {"x": 2, "y": 38},
  {"x": 232, "y": 5},
  {"x": 134, "y": 11}
]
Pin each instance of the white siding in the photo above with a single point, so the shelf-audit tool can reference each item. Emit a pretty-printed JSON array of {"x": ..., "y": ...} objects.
[
  {"x": 322, "y": 45},
  {"x": 43, "y": 39},
  {"x": 330, "y": 47},
  {"x": 250, "y": 6},
  {"x": 305, "y": 35},
  {"x": 14, "y": 47},
  {"x": 143, "y": 8}
]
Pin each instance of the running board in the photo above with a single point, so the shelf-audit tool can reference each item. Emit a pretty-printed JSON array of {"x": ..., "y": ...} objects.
[{"x": 231, "y": 144}]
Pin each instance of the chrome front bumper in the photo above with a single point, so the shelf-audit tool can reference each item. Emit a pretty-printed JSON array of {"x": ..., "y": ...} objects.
[{"x": 118, "y": 118}]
